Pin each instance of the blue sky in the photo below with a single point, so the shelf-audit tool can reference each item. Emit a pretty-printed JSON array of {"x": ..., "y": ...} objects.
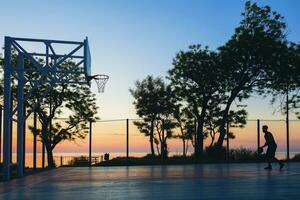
[{"x": 131, "y": 39}]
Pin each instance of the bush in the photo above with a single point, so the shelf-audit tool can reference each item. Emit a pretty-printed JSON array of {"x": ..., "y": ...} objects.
[
  {"x": 150, "y": 156},
  {"x": 244, "y": 155},
  {"x": 214, "y": 154},
  {"x": 235, "y": 155},
  {"x": 296, "y": 157}
]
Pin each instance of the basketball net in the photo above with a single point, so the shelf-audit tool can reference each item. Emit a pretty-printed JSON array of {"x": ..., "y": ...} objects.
[{"x": 101, "y": 80}]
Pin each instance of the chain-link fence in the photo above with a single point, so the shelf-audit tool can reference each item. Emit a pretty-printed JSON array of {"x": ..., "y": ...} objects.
[{"x": 121, "y": 138}]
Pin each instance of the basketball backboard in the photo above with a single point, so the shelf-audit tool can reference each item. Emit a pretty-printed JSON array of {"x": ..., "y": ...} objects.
[{"x": 87, "y": 55}]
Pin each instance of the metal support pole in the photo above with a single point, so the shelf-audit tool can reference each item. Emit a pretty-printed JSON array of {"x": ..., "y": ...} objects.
[
  {"x": 24, "y": 137},
  {"x": 34, "y": 138},
  {"x": 127, "y": 138},
  {"x": 227, "y": 141},
  {"x": 43, "y": 154},
  {"x": 258, "y": 134},
  {"x": 287, "y": 126},
  {"x": 90, "y": 143},
  {"x": 0, "y": 133},
  {"x": 7, "y": 110},
  {"x": 11, "y": 128},
  {"x": 21, "y": 119}
]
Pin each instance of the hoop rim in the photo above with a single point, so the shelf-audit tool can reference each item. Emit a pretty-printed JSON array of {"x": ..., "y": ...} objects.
[
  {"x": 97, "y": 77},
  {"x": 100, "y": 79}
]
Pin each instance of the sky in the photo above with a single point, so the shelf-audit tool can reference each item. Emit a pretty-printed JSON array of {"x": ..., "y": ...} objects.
[{"x": 132, "y": 39}]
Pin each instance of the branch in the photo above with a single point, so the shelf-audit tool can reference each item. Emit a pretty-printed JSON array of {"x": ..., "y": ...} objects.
[{"x": 59, "y": 137}]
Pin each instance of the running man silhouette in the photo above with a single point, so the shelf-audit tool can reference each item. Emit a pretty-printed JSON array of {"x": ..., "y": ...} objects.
[{"x": 272, "y": 146}]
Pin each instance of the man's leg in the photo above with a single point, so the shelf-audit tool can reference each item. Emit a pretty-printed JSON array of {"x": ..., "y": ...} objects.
[
  {"x": 281, "y": 165},
  {"x": 279, "y": 162},
  {"x": 269, "y": 161},
  {"x": 269, "y": 157}
]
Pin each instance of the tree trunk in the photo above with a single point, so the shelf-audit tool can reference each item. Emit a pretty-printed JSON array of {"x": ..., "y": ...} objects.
[
  {"x": 199, "y": 138},
  {"x": 50, "y": 159},
  {"x": 224, "y": 120},
  {"x": 194, "y": 139},
  {"x": 187, "y": 147},
  {"x": 157, "y": 149},
  {"x": 152, "y": 138},
  {"x": 199, "y": 132},
  {"x": 164, "y": 152},
  {"x": 213, "y": 135},
  {"x": 48, "y": 146},
  {"x": 183, "y": 140}
]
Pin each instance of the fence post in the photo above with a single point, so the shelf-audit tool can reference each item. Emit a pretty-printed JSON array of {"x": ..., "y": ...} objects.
[
  {"x": 227, "y": 141},
  {"x": 287, "y": 127},
  {"x": 34, "y": 138},
  {"x": 90, "y": 143},
  {"x": 127, "y": 139},
  {"x": 258, "y": 134},
  {"x": 61, "y": 161}
]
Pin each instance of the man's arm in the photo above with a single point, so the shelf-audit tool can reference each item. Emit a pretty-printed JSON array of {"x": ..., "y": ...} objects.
[
  {"x": 267, "y": 141},
  {"x": 266, "y": 144}
]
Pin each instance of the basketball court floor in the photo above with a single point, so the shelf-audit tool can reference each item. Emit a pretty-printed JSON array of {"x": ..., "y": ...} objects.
[{"x": 207, "y": 181}]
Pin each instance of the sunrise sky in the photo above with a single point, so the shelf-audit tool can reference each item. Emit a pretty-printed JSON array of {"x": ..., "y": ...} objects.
[{"x": 132, "y": 39}]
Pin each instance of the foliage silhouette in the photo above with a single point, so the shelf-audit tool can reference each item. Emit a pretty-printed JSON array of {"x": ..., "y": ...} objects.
[
  {"x": 195, "y": 77},
  {"x": 256, "y": 43},
  {"x": 153, "y": 102}
]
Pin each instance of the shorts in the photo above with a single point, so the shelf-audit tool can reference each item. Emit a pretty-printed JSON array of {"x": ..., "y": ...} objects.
[{"x": 271, "y": 151}]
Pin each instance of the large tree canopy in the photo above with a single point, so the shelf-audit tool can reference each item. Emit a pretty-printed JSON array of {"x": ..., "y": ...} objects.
[{"x": 254, "y": 47}]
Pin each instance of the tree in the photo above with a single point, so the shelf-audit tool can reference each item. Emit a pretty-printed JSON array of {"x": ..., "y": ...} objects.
[
  {"x": 212, "y": 123},
  {"x": 283, "y": 79},
  {"x": 236, "y": 118},
  {"x": 164, "y": 122},
  {"x": 149, "y": 95},
  {"x": 255, "y": 45},
  {"x": 147, "y": 127},
  {"x": 195, "y": 79},
  {"x": 74, "y": 98},
  {"x": 186, "y": 124}
]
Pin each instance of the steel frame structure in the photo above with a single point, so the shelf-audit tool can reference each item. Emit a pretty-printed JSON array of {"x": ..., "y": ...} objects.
[{"x": 49, "y": 73}]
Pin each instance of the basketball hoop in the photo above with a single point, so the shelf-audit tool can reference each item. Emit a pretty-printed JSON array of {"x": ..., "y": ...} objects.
[{"x": 100, "y": 79}]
